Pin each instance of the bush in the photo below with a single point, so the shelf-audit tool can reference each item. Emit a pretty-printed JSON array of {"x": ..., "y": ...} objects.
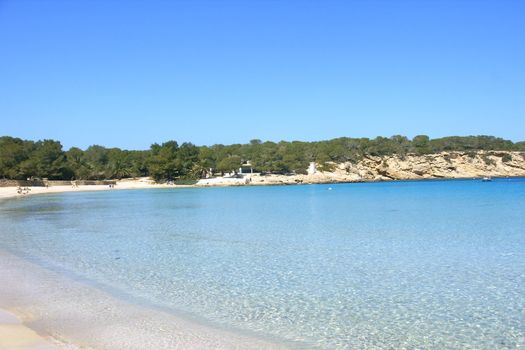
[
  {"x": 487, "y": 160},
  {"x": 506, "y": 158},
  {"x": 185, "y": 182}
]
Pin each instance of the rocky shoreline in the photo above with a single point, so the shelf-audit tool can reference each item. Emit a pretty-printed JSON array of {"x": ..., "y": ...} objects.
[{"x": 445, "y": 165}]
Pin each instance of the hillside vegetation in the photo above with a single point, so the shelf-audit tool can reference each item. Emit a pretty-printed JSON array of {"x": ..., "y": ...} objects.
[{"x": 21, "y": 159}]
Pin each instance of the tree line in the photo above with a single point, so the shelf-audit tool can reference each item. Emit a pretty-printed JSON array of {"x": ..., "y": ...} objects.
[{"x": 21, "y": 159}]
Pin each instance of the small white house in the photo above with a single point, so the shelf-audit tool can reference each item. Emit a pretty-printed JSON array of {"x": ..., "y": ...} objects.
[{"x": 246, "y": 168}]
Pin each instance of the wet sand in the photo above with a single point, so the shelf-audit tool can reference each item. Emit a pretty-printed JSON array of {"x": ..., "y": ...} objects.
[
  {"x": 73, "y": 315},
  {"x": 41, "y": 309},
  {"x": 16, "y": 336}
]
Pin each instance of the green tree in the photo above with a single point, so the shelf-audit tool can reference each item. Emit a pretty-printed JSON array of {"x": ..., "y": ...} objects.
[
  {"x": 13, "y": 151},
  {"x": 118, "y": 164},
  {"x": 187, "y": 157},
  {"x": 229, "y": 164},
  {"x": 96, "y": 159},
  {"x": 49, "y": 161},
  {"x": 75, "y": 159},
  {"x": 163, "y": 165},
  {"x": 22, "y": 158},
  {"x": 421, "y": 144}
]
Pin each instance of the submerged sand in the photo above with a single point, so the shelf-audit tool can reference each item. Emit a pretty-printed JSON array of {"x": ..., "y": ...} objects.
[
  {"x": 72, "y": 314},
  {"x": 42, "y": 309},
  {"x": 57, "y": 312}
]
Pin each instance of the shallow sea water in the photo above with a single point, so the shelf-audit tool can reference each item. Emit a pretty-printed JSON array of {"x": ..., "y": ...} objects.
[{"x": 415, "y": 265}]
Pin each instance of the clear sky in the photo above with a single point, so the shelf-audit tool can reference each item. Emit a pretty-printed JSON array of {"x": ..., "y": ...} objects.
[{"x": 130, "y": 73}]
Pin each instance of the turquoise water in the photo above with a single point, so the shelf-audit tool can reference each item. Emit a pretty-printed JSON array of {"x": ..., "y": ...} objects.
[{"x": 428, "y": 265}]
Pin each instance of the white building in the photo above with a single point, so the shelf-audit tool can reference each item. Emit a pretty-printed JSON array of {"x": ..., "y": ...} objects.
[{"x": 312, "y": 169}]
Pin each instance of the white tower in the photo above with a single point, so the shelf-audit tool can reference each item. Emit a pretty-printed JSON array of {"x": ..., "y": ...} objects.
[{"x": 312, "y": 168}]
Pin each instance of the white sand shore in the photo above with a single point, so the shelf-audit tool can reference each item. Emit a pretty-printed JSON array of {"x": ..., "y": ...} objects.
[
  {"x": 16, "y": 336},
  {"x": 79, "y": 316},
  {"x": 69, "y": 313},
  {"x": 126, "y": 184},
  {"x": 28, "y": 289},
  {"x": 445, "y": 165}
]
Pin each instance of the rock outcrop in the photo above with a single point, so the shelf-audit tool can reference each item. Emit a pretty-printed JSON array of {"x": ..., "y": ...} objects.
[
  {"x": 448, "y": 165},
  {"x": 445, "y": 165}
]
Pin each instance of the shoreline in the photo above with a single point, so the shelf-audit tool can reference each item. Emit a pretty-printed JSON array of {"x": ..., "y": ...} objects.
[
  {"x": 26, "y": 323},
  {"x": 9, "y": 192},
  {"x": 15, "y": 335},
  {"x": 32, "y": 288},
  {"x": 126, "y": 184},
  {"x": 56, "y": 312},
  {"x": 21, "y": 329},
  {"x": 411, "y": 167}
]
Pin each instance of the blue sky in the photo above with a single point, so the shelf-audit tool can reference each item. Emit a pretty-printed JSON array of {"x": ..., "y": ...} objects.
[{"x": 130, "y": 73}]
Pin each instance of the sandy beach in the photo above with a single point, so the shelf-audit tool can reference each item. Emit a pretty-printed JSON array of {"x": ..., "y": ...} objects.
[
  {"x": 16, "y": 336},
  {"x": 69, "y": 315},
  {"x": 126, "y": 184},
  {"x": 41, "y": 309},
  {"x": 445, "y": 165}
]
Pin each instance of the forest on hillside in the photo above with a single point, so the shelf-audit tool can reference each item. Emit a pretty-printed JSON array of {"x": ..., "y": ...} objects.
[{"x": 22, "y": 159}]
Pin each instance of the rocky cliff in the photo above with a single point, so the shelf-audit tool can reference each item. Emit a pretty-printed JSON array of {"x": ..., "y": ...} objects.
[{"x": 445, "y": 165}]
